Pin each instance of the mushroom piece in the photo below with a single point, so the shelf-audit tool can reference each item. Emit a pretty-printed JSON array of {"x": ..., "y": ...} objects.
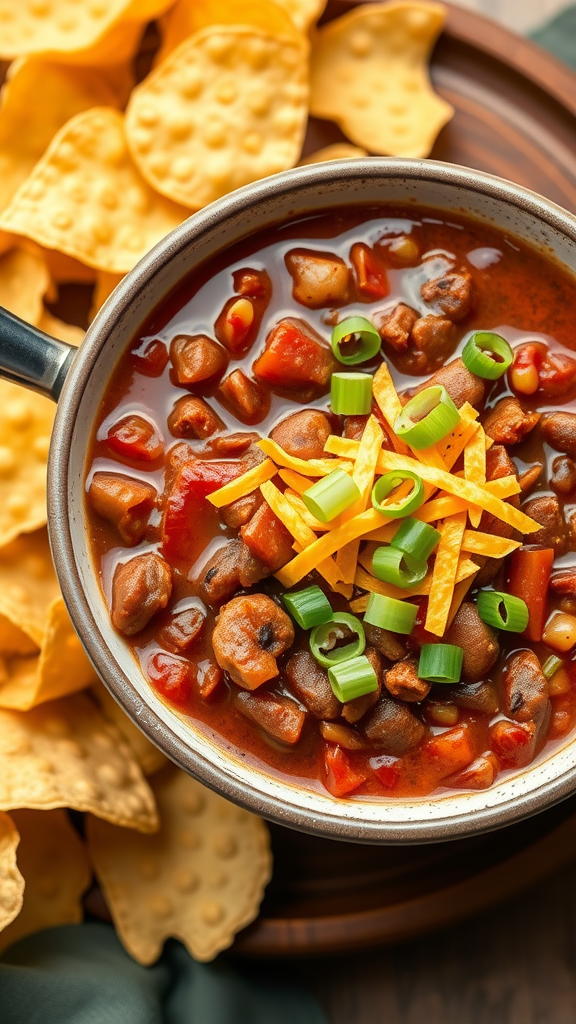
[{"x": 251, "y": 632}]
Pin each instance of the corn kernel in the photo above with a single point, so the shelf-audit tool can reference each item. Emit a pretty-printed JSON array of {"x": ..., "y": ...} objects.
[
  {"x": 560, "y": 631},
  {"x": 442, "y": 714},
  {"x": 238, "y": 320},
  {"x": 405, "y": 249},
  {"x": 559, "y": 683},
  {"x": 524, "y": 379}
]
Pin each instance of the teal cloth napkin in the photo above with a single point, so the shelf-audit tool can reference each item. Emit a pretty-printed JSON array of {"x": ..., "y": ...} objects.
[{"x": 80, "y": 974}]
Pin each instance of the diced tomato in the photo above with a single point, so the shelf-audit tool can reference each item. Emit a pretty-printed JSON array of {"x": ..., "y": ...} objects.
[
  {"x": 268, "y": 538},
  {"x": 135, "y": 438},
  {"x": 172, "y": 677},
  {"x": 450, "y": 751},
  {"x": 513, "y": 742},
  {"x": 386, "y": 769},
  {"x": 369, "y": 274},
  {"x": 187, "y": 509},
  {"x": 151, "y": 358},
  {"x": 536, "y": 369},
  {"x": 209, "y": 678},
  {"x": 293, "y": 358},
  {"x": 528, "y": 577},
  {"x": 557, "y": 375},
  {"x": 340, "y": 777},
  {"x": 419, "y": 634}
]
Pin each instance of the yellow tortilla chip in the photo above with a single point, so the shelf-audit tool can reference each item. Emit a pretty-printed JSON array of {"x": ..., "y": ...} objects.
[
  {"x": 58, "y": 329},
  {"x": 148, "y": 756},
  {"x": 28, "y": 588},
  {"x": 369, "y": 73},
  {"x": 444, "y": 573},
  {"x": 46, "y": 95},
  {"x": 243, "y": 485},
  {"x": 227, "y": 107},
  {"x": 105, "y": 285},
  {"x": 11, "y": 881},
  {"x": 25, "y": 426},
  {"x": 86, "y": 198},
  {"x": 200, "y": 878},
  {"x": 187, "y": 17},
  {"x": 363, "y": 476},
  {"x": 65, "y": 754},
  {"x": 56, "y": 870},
  {"x": 338, "y": 151},
  {"x": 24, "y": 281},
  {"x": 304, "y": 13}
]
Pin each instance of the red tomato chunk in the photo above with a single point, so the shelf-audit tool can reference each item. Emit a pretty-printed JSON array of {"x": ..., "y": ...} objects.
[
  {"x": 172, "y": 677},
  {"x": 340, "y": 777}
]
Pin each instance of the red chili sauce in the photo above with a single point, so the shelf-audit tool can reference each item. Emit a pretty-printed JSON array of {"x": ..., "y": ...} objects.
[{"x": 426, "y": 283}]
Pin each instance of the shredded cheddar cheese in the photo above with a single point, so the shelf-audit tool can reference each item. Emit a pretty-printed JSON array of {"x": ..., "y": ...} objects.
[
  {"x": 475, "y": 468},
  {"x": 444, "y": 573},
  {"x": 363, "y": 475},
  {"x": 243, "y": 485}
]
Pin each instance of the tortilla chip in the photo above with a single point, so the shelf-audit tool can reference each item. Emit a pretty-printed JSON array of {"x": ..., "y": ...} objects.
[
  {"x": 227, "y": 107},
  {"x": 65, "y": 754},
  {"x": 149, "y": 758},
  {"x": 304, "y": 13},
  {"x": 338, "y": 151},
  {"x": 58, "y": 329},
  {"x": 56, "y": 870},
  {"x": 24, "y": 281},
  {"x": 11, "y": 881},
  {"x": 86, "y": 198},
  {"x": 186, "y": 18},
  {"x": 370, "y": 74},
  {"x": 25, "y": 427},
  {"x": 28, "y": 587},
  {"x": 105, "y": 285},
  {"x": 475, "y": 467},
  {"x": 200, "y": 878}
]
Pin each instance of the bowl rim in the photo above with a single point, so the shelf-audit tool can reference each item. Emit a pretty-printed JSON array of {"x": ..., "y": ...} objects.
[{"x": 246, "y": 201}]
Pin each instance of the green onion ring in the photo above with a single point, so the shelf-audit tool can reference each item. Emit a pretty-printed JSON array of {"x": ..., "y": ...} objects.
[
  {"x": 427, "y": 418},
  {"x": 516, "y": 614},
  {"x": 369, "y": 340},
  {"x": 440, "y": 663},
  {"x": 479, "y": 351},
  {"x": 308, "y": 607},
  {"x": 416, "y": 539},
  {"x": 406, "y": 505},
  {"x": 351, "y": 394},
  {"x": 331, "y": 495},
  {"x": 387, "y": 566},
  {"x": 550, "y": 666},
  {"x": 321, "y": 634},
  {"x": 352, "y": 678},
  {"x": 390, "y": 613}
]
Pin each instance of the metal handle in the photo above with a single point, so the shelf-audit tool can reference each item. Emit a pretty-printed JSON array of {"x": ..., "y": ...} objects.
[{"x": 32, "y": 358}]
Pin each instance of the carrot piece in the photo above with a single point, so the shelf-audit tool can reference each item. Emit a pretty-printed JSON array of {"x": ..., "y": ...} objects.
[{"x": 528, "y": 578}]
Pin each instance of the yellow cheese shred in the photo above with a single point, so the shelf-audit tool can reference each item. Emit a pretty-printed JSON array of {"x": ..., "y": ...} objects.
[
  {"x": 444, "y": 573},
  {"x": 296, "y": 501},
  {"x": 243, "y": 485},
  {"x": 390, "y": 406},
  {"x": 363, "y": 476},
  {"x": 325, "y": 546},
  {"x": 307, "y": 467},
  {"x": 465, "y": 572},
  {"x": 487, "y": 544},
  {"x": 475, "y": 468},
  {"x": 294, "y": 480},
  {"x": 452, "y": 446}
]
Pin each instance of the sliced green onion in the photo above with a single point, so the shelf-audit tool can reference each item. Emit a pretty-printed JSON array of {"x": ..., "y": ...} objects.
[
  {"x": 358, "y": 330},
  {"x": 351, "y": 394},
  {"x": 324, "y": 638},
  {"x": 416, "y": 539},
  {"x": 387, "y": 565},
  {"x": 389, "y": 613},
  {"x": 440, "y": 663},
  {"x": 503, "y": 610},
  {"x": 308, "y": 607},
  {"x": 550, "y": 666},
  {"x": 427, "y": 417},
  {"x": 331, "y": 495},
  {"x": 353, "y": 678},
  {"x": 487, "y": 355},
  {"x": 389, "y": 482}
]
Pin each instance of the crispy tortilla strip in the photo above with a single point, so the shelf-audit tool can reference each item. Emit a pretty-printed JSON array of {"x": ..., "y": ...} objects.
[
  {"x": 452, "y": 446},
  {"x": 310, "y": 467},
  {"x": 54, "y": 862},
  {"x": 298, "y": 528},
  {"x": 444, "y": 573},
  {"x": 11, "y": 881},
  {"x": 504, "y": 487},
  {"x": 363, "y": 476},
  {"x": 200, "y": 878},
  {"x": 478, "y": 543},
  {"x": 65, "y": 754},
  {"x": 148, "y": 756},
  {"x": 327, "y": 545},
  {"x": 475, "y": 467},
  {"x": 243, "y": 485}
]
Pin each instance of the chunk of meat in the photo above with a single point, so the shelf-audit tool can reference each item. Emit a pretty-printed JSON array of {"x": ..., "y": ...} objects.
[
  {"x": 340, "y": 777},
  {"x": 384, "y": 641},
  {"x": 234, "y": 445},
  {"x": 135, "y": 438},
  {"x": 125, "y": 503},
  {"x": 370, "y": 275},
  {"x": 514, "y": 743},
  {"x": 219, "y": 578},
  {"x": 450, "y": 294},
  {"x": 303, "y": 434},
  {"x": 480, "y": 696},
  {"x": 507, "y": 423},
  {"x": 250, "y": 633},
  {"x": 151, "y": 358},
  {"x": 393, "y": 727},
  {"x": 181, "y": 630},
  {"x": 530, "y": 476},
  {"x": 395, "y": 326},
  {"x": 240, "y": 512},
  {"x": 564, "y": 582},
  {"x": 480, "y": 774},
  {"x": 295, "y": 357},
  {"x": 499, "y": 463},
  {"x": 140, "y": 588},
  {"x": 402, "y": 681},
  {"x": 563, "y": 479},
  {"x": 254, "y": 283},
  {"x": 193, "y": 417},
  {"x": 319, "y": 278},
  {"x": 250, "y": 568},
  {"x": 343, "y": 735},
  {"x": 310, "y": 683},
  {"x": 268, "y": 538},
  {"x": 197, "y": 358},
  {"x": 434, "y": 336},
  {"x": 524, "y": 688},
  {"x": 545, "y": 509},
  {"x": 354, "y": 427},
  {"x": 478, "y": 641},
  {"x": 354, "y": 710},
  {"x": 247, "y": 399},
  {"x": 461, "y": 384},
  {"x": 559, "y": 430},
  {"x": 279, "y": 716}
]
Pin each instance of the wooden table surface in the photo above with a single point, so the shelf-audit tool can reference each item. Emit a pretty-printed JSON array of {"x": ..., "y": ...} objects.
[{"x": 515, "y": 964}]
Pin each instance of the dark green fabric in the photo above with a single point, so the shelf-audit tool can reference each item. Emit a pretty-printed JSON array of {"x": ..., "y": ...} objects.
[
  {"x": 559, "y": 36},
  {"x": 79, "y": 974}
]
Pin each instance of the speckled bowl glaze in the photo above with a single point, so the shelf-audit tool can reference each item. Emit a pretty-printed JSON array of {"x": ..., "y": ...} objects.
[{"x": 452, "y": 190}]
